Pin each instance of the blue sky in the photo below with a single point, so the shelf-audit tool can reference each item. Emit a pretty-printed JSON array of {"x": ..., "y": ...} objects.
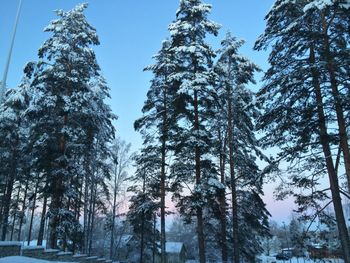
[{"x": 130, "y": 32}]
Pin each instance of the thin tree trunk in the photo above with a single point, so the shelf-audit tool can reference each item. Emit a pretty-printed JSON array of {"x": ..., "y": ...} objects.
[
  {"x": 90, "y": 213},
  {"x": 7, "y": 201},
  {"x": 235, "y": 226},
  {"x": 142, "y": 222},
  {"x": 200, "y": 223},
  {"x": 154, "y": 239},
  {"x": 162, "y": 181},
  {"x": 33, "y": 210},
  {"x": 64, "y": 242},
  {"x": 92, "y": 219},
  {"x": 142, "y": 239},
  {"x": 57, "y": 191},
  {"x": 343, "y": 136},
  {"x": 15, "y": 213},
  {"x": 222, "y": 199},
  {"x": 111, "y": 249},
  {"x": 333, "y": 179},
  {"x": 77, "y": 214},
  {"x": 23, "y": 209},
  {"x": 86, "y": 211},
  {"x": 42, "y": 222},
  {"x": 2, "y": 199},
  {"x": 54, "y": 208}
]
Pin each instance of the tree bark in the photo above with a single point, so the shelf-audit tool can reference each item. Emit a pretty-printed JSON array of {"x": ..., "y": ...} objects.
[
  {"x": 33, "y": 210},
  {"x": 7, "y": 201},
  {"x": 142, "y": 243},
  {"x": 86, "y": 211},
  {"x": 111, "y": 249},
  {"x": 222, "y": 199},
  {"x": 162, "y": 180},
  {"x": 92, "y": 218},
  {"x": 15, "y": 213},
  {"x": 42, "y": 222},
  {"x": 235, "y": 225},
  {"x": 57, "y": 191},
  {"x": 23, "y": 209},
  {"x": 200, "y": 222},
  {"x": 333, "y": 179}
]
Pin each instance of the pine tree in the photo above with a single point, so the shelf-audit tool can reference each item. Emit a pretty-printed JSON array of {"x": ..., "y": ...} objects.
[
  {"x": 144, "y": 203},
  {"x": 68, "y": 113},
  {"x": 188, "y": 34},
  {"x": 13, "y": 130},
  {"x": 237, "y": 109},
  {"x": 298, "y": 109},
  {"x": 333, "y": 51},
  {"x": 159, "y": 117}
]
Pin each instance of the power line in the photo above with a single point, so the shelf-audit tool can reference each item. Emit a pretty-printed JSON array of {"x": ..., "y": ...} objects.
[{"x": 3, "y": 83}]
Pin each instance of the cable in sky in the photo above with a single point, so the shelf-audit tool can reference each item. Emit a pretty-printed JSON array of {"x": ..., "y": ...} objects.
[{"x": 3, "y": 83}]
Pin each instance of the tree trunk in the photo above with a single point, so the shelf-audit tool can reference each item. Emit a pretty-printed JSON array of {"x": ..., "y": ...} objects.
[
  {"x": 222, "y": 199},
  {"x": 92, "y": 218},
  {"x": 77, "y": 213},
  {"x": 343, "y": 136},
  {"x": 235, "y": 225},
  {"x": 162, "y": 181},
  {"x": 64, "y": 241},
  {"x": 15, "y": 213},
  {"x": 333, "y": 179},
  {"x": 42, "y": 222},
  {"x": 2, "y": 198},
  {"x": 7, "y": 201},
  {"x": 33, "y": 210},
  {"x": 111, "y": 249},
  {"x": 86, "y": 211},
  {"x": 142, "y": 243},
  {"x": 54, "y": 209},
  {"x": 154, "y": 250},
  {"x": 57, "y": 190},
  {"x": 23, "y": 209},
  {"x": 200, "y": 223}
]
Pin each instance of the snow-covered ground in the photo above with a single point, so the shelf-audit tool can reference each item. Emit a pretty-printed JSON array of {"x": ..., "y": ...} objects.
[
  {"x": 267, "y": 259},
  {"x": 18, "y": 259}
]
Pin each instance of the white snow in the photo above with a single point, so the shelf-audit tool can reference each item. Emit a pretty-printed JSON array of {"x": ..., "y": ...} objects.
[
  {"x": 18, "y": 259},
  {"x": 10, "y": 243},
  {"x": 270, "y": 259}
]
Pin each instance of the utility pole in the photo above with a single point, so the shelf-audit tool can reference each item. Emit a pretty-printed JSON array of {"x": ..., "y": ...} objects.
[{"x": 3, "y": 82}]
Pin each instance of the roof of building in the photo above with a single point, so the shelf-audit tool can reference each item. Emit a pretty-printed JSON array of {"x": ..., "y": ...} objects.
[{"x": 173, "y": 247}]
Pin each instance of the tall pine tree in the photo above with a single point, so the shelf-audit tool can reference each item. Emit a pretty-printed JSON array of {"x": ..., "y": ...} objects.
[
  {"x": 237, "y": 109},
  {"x": 299, "y": 109},
  {"x": 68, "y": 112},
  {"x": 159, "y": 121},
  {"x": 188, "y": 33}
]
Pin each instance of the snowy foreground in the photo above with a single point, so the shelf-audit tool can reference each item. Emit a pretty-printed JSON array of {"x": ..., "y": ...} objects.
[
  {"x": 267, "y": 259},
  {"x": 18, "y": 259},
  {"x": 264, "y": 259}
]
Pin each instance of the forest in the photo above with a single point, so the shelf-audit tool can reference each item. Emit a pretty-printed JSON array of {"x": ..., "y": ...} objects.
[{"x": 210, "y": 143}]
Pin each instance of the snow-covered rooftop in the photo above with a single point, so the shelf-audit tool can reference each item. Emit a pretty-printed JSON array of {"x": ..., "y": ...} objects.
[{"x": 173, "y": 247}]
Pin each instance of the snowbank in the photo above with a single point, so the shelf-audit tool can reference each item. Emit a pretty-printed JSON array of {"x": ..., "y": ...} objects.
[{"x": 18, "y": 259}]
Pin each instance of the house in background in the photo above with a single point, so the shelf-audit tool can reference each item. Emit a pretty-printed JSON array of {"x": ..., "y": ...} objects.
[
  {"x": 126, "y": 245},
  {"x": 175, "y": 252}
]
